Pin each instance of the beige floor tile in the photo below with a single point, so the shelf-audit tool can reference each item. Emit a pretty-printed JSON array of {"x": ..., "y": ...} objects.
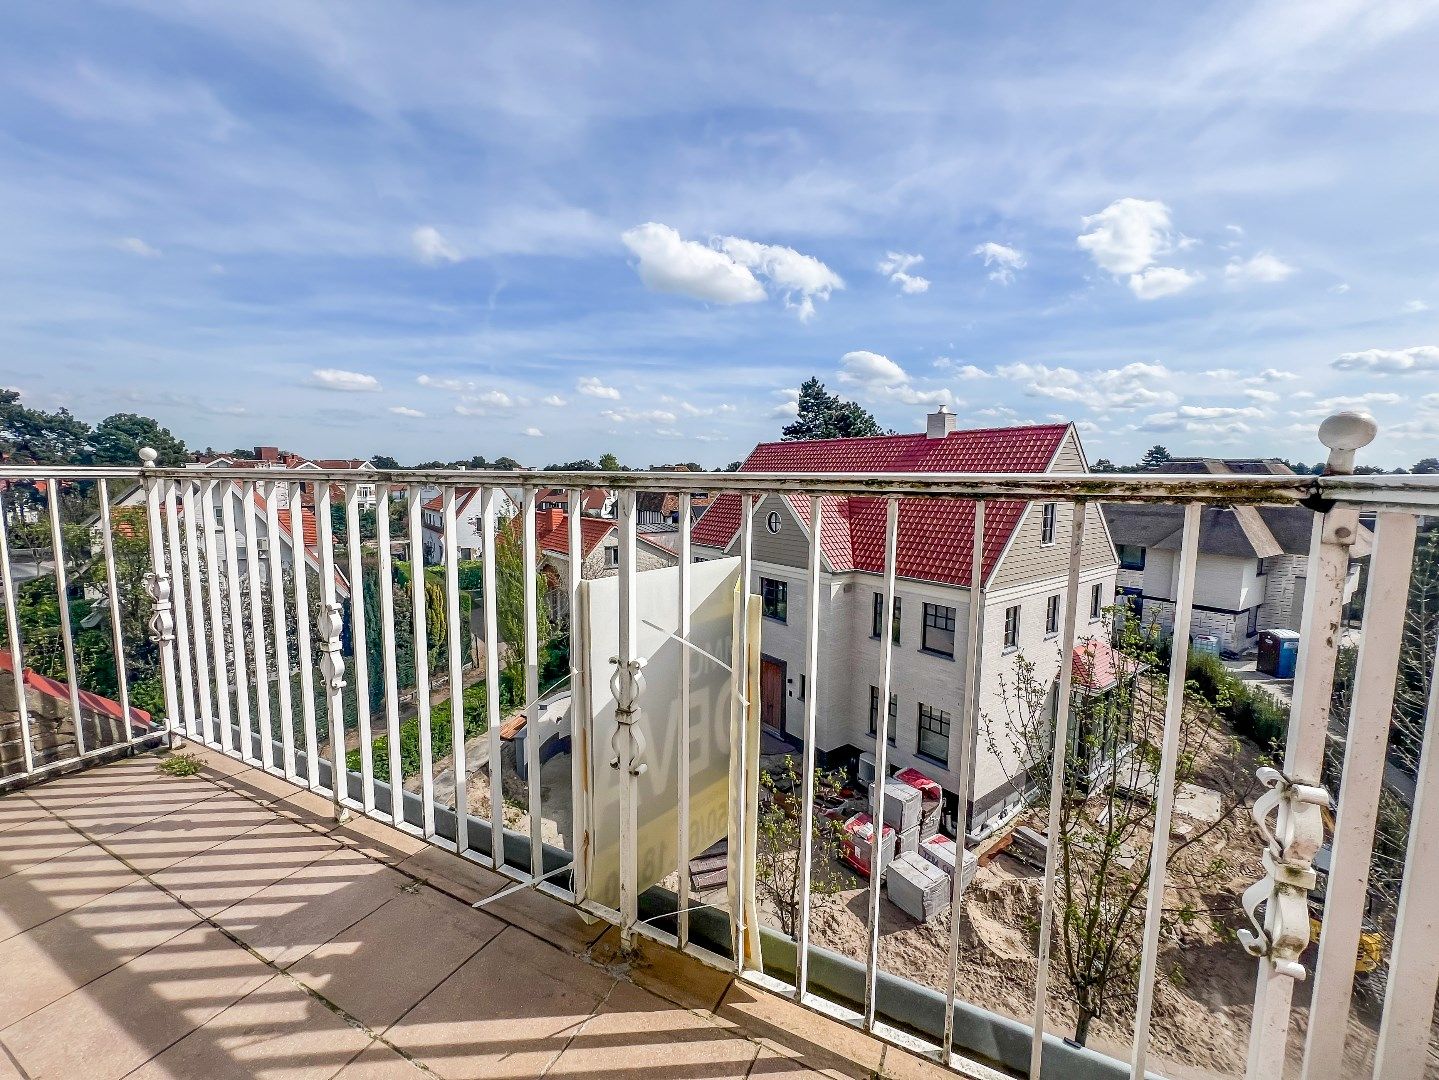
[
  {"x": 214, "y": 763},
  {"x": 76, "y": 789},
  {"x": 277, "y": 1032},
  {"x": 34, "y": 842},
  {"x": 449, "y": 873},
  {"x": 175, "y": 837},
  {"x": 899, "y": 1065},
  {"x": 257, "y": 784},
  {"x": 549, "y": 919},
  {"x": 814, "y": 1041},
  {"x": 378, "y": 840},
  {"x": 293, "y": 917},
  {"x": 636, "y": 1035},
  {"x": 772, "y": 1065},
  {"x": 508, "y": 1012},
  {"x": 122, "y": 1019},
  {"x": 73, "y": 949},
  {"x": 664, "y": 971},
  {"x": 378, "y": 1062},
  {"x": 137, "y": 804},
  {"x": 41, "y": 892},
  {"x": 308, "y": 808},
  {"x": 16, "y": 809},
  {"x": 229, "y": 872},
  {"x": 378, "y": 969}
]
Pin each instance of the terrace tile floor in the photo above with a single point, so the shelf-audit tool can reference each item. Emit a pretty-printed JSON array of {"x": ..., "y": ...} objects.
[{"x": 223, "y": 925}]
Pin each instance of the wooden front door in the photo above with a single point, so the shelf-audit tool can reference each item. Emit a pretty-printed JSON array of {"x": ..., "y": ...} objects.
[{"x": 771, "y": 694}]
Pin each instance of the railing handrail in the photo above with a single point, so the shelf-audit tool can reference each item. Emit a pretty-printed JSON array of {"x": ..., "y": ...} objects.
[{"x": 1404, "y": 492}]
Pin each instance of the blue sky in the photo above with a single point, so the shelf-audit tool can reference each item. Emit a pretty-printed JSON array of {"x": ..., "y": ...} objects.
[{"x": 439, "y": 229}]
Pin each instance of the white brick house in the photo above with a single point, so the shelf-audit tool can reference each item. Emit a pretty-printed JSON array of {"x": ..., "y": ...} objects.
[{"x": 1025, "y": 567}]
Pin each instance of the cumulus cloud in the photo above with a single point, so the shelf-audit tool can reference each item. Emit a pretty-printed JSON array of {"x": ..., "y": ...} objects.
[
  {"x": 1160, "y": 281},
  {"x": 1130, "y": 387},
  {"x": 789, "y": 407},
  {"x": 455, "y": 386},
  {"x": 908, "y": 395},
  {"x": 639, "y": 416},
  {"x": 800, "y": 279},
  {"x": 135, "y": 246},
  {"x": 553, "y": 400},
  {"x": 1221, "y": 412},
  {"x": 592, "y": 387},
  {"x": 1127, "y": 238},
  {"x": 405, "y": 410},
  {"x": 1420, "y": 358},
  {"x": 896, "y": 266},
  {"x": 1002, "y": 261},
  {"x": 870, "y": 369},
  {"x": 431, "y": 247},
  {"x": 723, "y": 272},
  {"x": 336, "y": 379},
  {"x": 671, "y": 264},
  {"x": 1255, "y": 394},
  {"x": 1263, "y": 269},
  {"x": 493, "y": 399},
  {"x": 534, "y": 433},
  {"x": 1127, "y": 235},
  {"x": 962, "y": 371}
]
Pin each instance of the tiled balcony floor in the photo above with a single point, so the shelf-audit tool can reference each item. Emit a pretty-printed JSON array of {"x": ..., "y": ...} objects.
[{"x": 222, "y": 926}]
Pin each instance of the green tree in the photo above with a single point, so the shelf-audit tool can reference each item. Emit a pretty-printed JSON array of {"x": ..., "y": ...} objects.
[
  {"x": 384, "y": 461},
  {"x": 823, "y": 415},
  {"x": 35, "y": 437},
  {"x": 583, "y": 465},
  {"x": 117, "y": 439},
  {"x": 1154, "y": 459},
  {"x": 610, "y": 463},
  {"x": 510, "y": 571},
  {"x": 1103, "y": 465},
  {"x": 779, "y": 831},
  {"x": 1426, "y": 466}
]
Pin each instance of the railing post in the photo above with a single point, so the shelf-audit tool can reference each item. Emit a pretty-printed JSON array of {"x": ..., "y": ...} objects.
[
  {"x": 162, "y": 618},
  {"x": 1296, "y": 797}
]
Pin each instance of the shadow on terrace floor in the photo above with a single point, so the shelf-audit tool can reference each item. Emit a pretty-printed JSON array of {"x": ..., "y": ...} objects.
[{"x": 222, "y": 926}]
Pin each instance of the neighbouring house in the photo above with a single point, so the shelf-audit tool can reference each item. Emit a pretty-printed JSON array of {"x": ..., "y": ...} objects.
[
  {"x": 594, "y": 502},
  {"x": 469, "y": 523},
  {"x": 273, "y": 458},
  {"x": 599, "y": 554},
  {"x": 1025, "y": 566},
  {"x": 1251, "y": 569}
]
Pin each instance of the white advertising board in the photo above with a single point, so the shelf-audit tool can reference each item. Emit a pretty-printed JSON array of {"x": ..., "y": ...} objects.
[{"x": 712, "y": 605}]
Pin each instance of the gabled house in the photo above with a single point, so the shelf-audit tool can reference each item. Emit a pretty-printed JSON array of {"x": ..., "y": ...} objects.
[
  {"x": 594, "y": 502},
  {"x": 273, "y": 458},
  {"x": 1020, "y": 595},
  {"x": 1252, "y": 564},
  {"x": 599, "y": 554},
  {"x": 469, "y": 523}
]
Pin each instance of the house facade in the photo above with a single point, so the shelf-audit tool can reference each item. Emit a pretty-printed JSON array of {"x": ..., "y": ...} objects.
[
  {"x": 599, "y": 554},
  {"x": 1020, "y": 596},
  {"x": 273, "y": 458},
  {"x": 1251, "y": 570}
]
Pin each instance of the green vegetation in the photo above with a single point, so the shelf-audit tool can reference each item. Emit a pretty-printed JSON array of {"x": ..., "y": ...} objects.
[
  {"x": 823, "y": 415},
  {"x": 1250, "y": 711},
  {"x": 180, "y": 765}
]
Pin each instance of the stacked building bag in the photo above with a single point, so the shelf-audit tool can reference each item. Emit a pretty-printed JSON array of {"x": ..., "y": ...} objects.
[
  {"x": 931, "y": 798},
  {"x": 943, "y": 853},
  {"x": 902, "y": 812},
  {"x": 857, "y": 848},
  {"x": 917, "y": 887}
]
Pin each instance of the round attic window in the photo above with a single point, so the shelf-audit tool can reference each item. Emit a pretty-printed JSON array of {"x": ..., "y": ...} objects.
[{"x": 772, "y": 522}]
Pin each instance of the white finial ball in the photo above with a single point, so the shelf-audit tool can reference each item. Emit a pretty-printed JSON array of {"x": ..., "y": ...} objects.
[
  {"x": 148, "y": 456},
  {"x": 1348, "y": 431}
]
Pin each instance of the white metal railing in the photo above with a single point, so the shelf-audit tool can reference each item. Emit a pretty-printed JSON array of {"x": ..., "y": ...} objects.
[{"x": 238, "y": 636}]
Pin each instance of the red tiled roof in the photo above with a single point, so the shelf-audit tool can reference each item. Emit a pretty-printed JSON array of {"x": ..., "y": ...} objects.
[
  {"x": 935, "y": 535},
  {"x": 60, "y": 691},
  {"x": 1096, "y": 666},
  {"x": 552, "y": 532}
]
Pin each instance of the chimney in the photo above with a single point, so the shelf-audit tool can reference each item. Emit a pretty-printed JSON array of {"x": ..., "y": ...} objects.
[
  {"x": 939, "y": 423},
  {"x": 267, "y": 453},
  {"x": 548, "y": 521}
]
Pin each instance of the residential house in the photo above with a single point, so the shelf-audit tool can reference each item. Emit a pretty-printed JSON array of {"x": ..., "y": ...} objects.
[
  {"x": 469, "y": 523},
  {"x": 594, "y": 502},
  {"x": 1020, "y": 594},
  {"x": 272, "y": 457},
  {"x": 1251, "y": 569},
  {"x": 599, "y": 554}
]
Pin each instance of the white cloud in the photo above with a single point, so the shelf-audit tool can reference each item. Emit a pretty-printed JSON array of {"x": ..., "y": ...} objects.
[
  {"x": 962, "y": 371},
  {"x": 1264, "y": 269},
  {"x": 639, "y": 416},
  {"x": 669, "y": 263},
  {"x": 1270, "y": 374},
  {"x": 405, "y": 410},
  {"x": 1340, "y": 289},
  {"x": 1221, "y": 412},
  {"x": 455, "y": 386},
  {"x": 870, "y": 369},
  {"x": 553, "y": 400},
  {"x": 1390, "y": 361},
  {"x": 796, "y": 276},
  {"x": 534, "y": 433},
  {"x": 1207, "y": 426},
  {"x": 431, "y": 247},
  {"x": 492, "y": 399},
  {"x": 908, "y": 395},
  {"x": 1003, "y": 261},
  {"x": 1160, "y": 281},
  {"x": 896, "y": 266},
  {"x": 592, "y": 387},
  {"x": 1127, "y": 235},
  {"x": 789, "y": 407},
  {"x": 1125, "y": 388},
  {"x": 335, "y": 379},
  {"x": 1267, "y": 396},
  {"x": 135, "y": 246},
  {"x": 1412, "y": 307}
]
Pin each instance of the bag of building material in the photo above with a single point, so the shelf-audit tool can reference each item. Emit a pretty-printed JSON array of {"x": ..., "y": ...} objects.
[
  {"x": 931, "y": 800},
  {"x": 909, "y": 841},
  {"x": 857, "y": 848},
  {"x": 901, "y": 805},
  {"x": 1029, "y": 847},
  {"x": 942, "y": 851},
  {"x": 917, "y": 887}
]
